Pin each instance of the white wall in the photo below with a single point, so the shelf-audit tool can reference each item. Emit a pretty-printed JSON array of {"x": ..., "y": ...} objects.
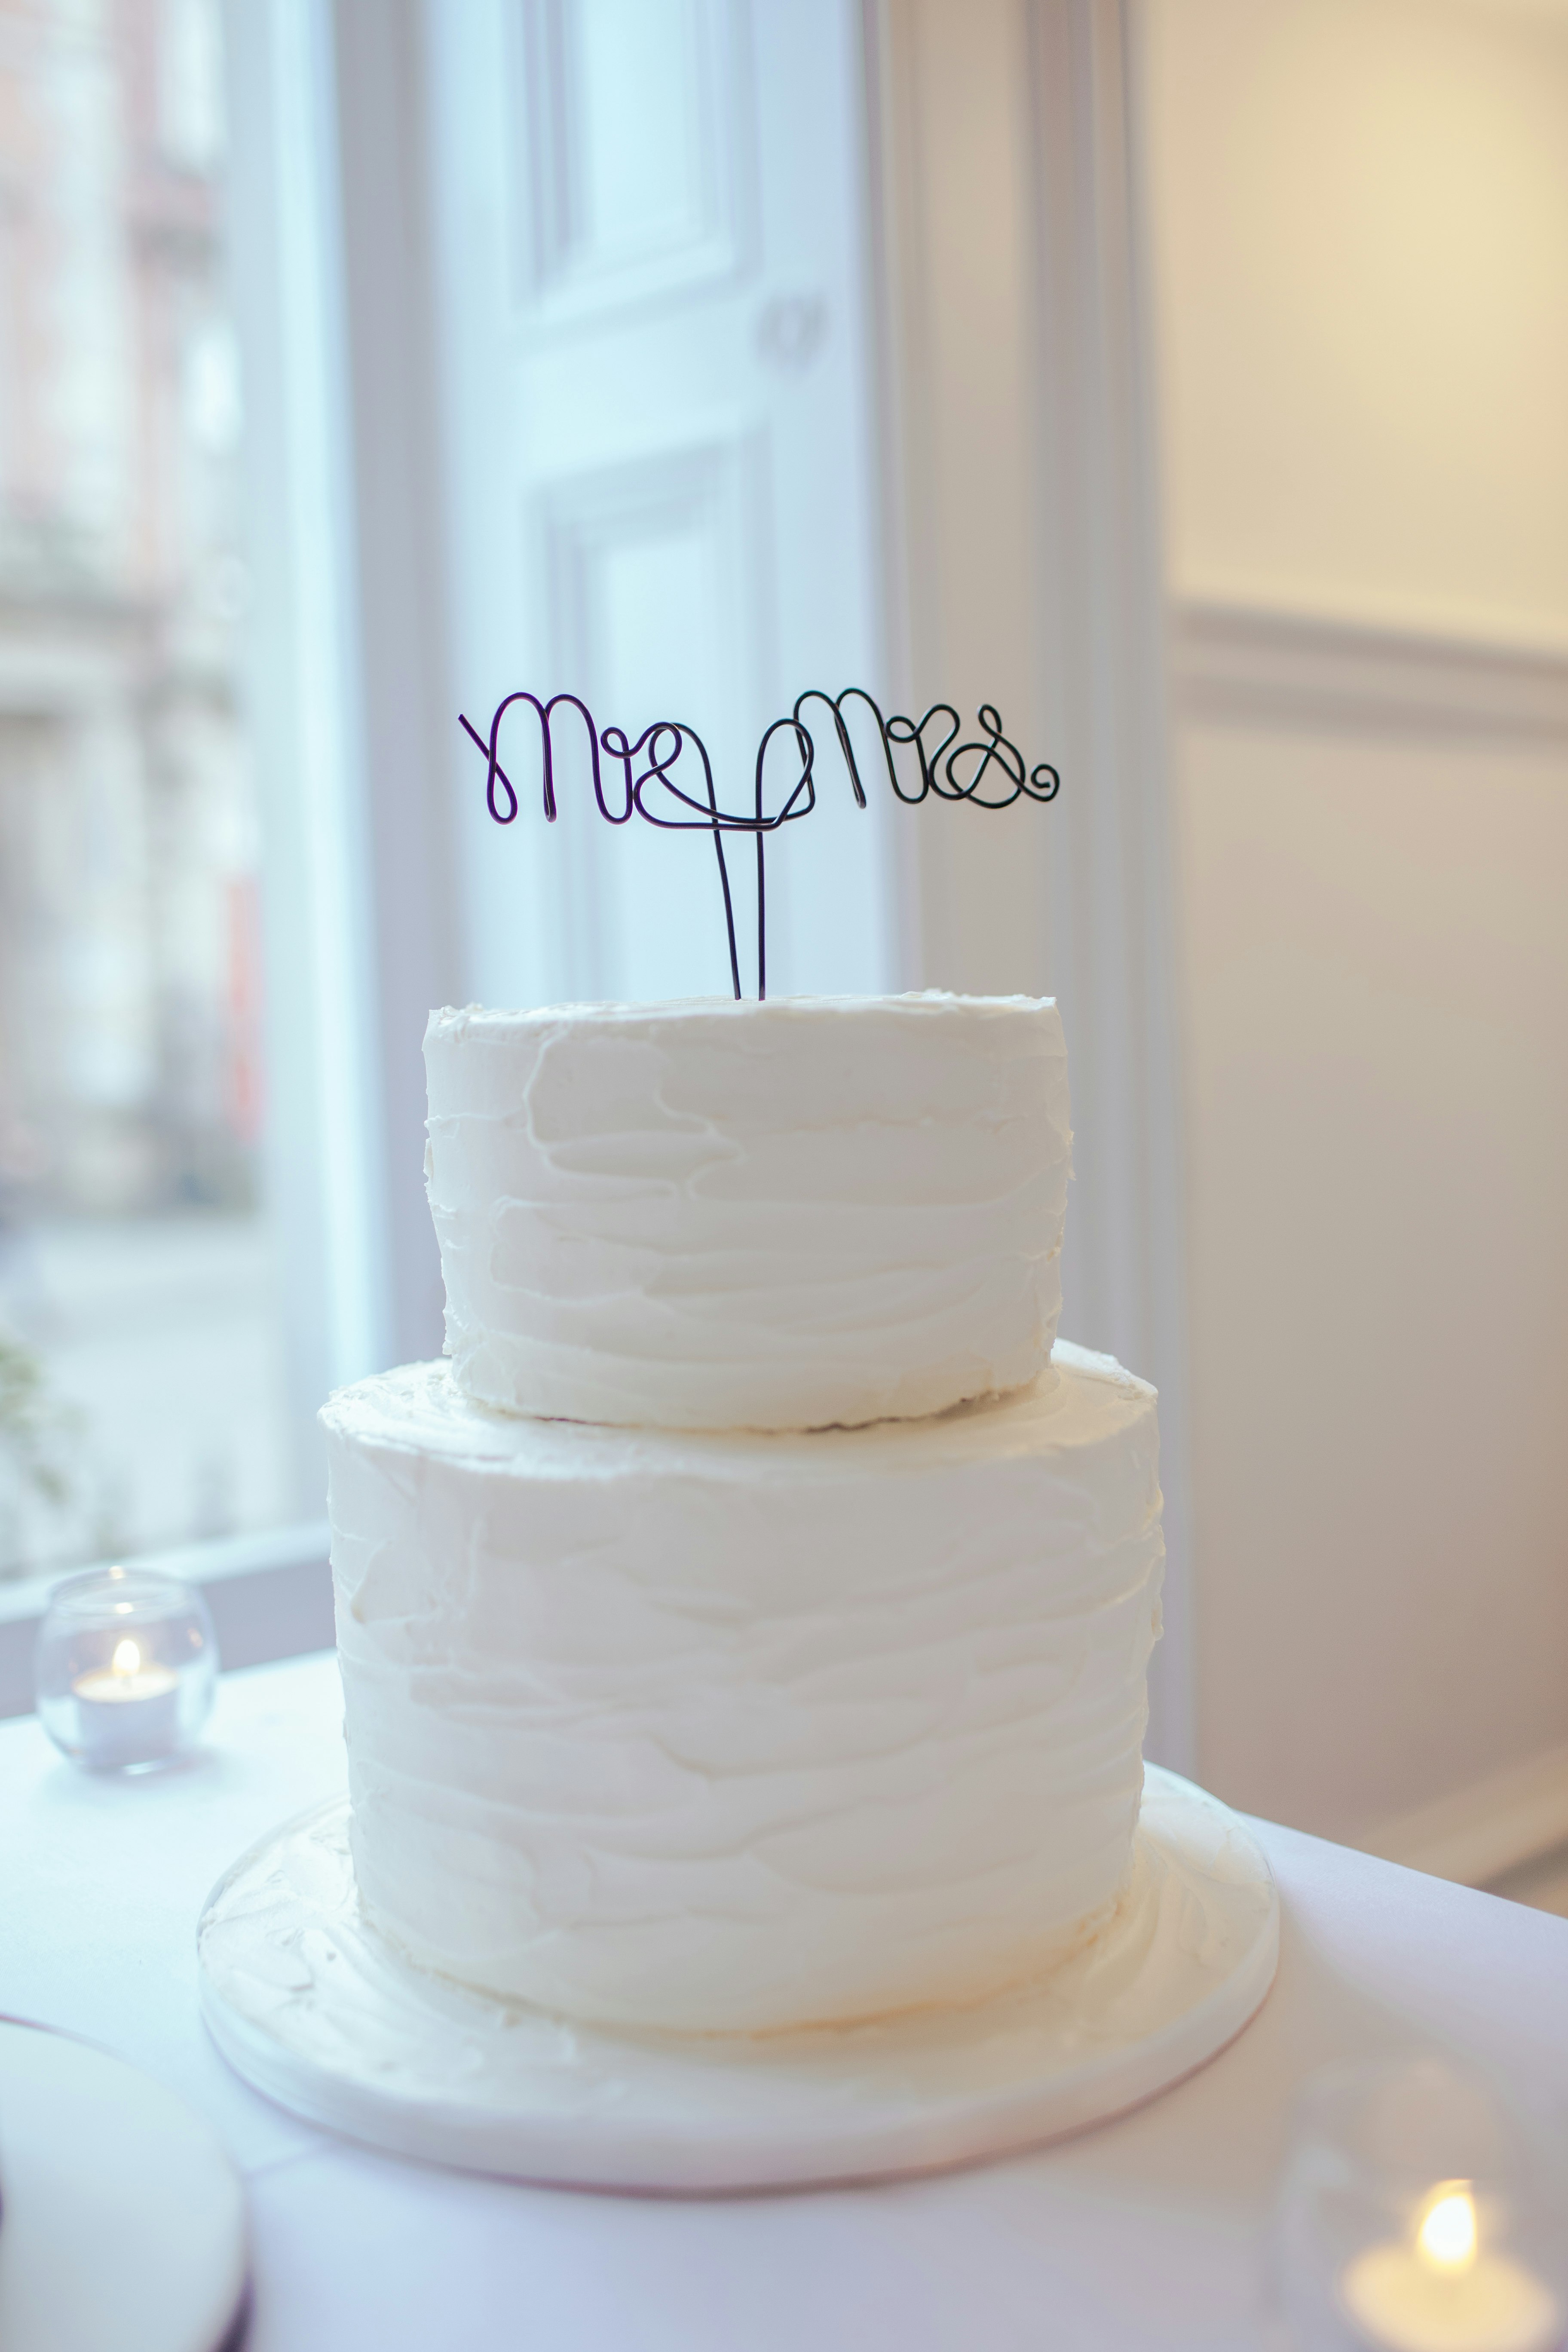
[
  {"x": 1361, "y": 214},
  {"x": 1361, "y": 225}
]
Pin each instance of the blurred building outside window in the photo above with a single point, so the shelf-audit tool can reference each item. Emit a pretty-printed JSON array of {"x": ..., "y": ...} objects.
[{"x": 142, "y": 1388}]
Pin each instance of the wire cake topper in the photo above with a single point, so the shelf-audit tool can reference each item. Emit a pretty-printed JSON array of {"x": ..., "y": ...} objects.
[{"x": 998, "y": 777}]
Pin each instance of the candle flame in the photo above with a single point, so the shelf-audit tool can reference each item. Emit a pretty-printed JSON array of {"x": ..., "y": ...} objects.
[
  {"x": 127, "y": 1658},
  {"x": 1447, "y": 2237}
]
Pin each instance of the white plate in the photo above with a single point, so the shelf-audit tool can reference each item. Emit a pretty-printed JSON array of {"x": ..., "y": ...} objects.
[
  {"x": 310, "y": 2005},
  {"x": 123, "y": 2222}
]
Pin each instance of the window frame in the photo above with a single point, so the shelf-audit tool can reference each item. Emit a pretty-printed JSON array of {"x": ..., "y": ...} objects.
[{"x": 344, "y": 692}]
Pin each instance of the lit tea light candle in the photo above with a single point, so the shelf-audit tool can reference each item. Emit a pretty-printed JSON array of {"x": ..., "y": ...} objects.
[
  {"x": 127, "y": 1712},
  {"x": 124, "y": 1667},
  {"x": 1441, "y": 2290}
]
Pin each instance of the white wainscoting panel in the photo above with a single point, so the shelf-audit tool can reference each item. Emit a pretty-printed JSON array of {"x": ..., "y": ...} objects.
[
  {"x": 1483, "y": 1832},
  {"x": 1256, "y": 659},
  {"x": 1373, "y": 834}
]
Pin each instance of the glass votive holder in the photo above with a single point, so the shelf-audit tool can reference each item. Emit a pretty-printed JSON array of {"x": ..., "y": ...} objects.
[
  {"x": 125, "y": 1668},
  {"x": 1421, "y": 2211}
]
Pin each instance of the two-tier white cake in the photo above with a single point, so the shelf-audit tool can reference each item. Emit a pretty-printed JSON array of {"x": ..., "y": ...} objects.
[{"x": 749, "y": 1627}]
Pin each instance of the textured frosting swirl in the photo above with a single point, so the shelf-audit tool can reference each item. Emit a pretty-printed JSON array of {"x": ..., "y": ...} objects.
[
  {"x": 720, "y": 1215},
  {"x": 735, "y": 1732}
]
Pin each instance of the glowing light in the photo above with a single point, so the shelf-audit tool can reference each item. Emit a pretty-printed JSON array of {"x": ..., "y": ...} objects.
[
  {"x": 1447, "y": 2238},
  {"x": 127, "y": 1658}
]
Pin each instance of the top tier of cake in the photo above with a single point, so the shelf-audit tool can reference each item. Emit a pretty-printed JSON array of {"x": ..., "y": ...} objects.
[{"x": 719, "y": 1216}]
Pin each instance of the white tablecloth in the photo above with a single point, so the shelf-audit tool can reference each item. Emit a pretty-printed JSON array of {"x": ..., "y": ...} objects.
[{"x": 1145, "y": 2234}]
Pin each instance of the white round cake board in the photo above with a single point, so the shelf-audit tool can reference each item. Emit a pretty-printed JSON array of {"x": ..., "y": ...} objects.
[
  {"x": 123, "y": 2222},
  {"x": 315, "y": 2009}
]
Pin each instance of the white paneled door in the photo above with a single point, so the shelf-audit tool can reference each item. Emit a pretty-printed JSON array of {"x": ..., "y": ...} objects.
[{"x": 654, "y": 366}]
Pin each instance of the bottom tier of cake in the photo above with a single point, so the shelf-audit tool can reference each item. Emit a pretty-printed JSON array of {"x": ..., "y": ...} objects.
[{"x": 735, "y": 1733}]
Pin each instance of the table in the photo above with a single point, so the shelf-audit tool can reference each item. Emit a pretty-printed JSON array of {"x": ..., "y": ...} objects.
[{"x": 1147, "y": 2233}]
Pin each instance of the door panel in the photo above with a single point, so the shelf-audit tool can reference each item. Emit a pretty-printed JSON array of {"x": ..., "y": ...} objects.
[
  {"x": 636, "y": 146},
  {"x": 650, "y": 231},
  {"x": 652, "y": 572}
]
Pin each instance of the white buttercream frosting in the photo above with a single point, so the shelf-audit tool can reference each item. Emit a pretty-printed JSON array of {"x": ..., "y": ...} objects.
[
  {"x": 719, "y": 1216},
  {"x": 735, "y": 1732},
  {"x": 325, "y": 2015}
]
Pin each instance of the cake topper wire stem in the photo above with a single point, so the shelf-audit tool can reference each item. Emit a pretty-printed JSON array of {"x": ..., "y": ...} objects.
[{"x": 938, "y": 765}]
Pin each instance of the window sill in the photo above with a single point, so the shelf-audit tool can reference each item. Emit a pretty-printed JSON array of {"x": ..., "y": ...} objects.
[{"x": 271, "y": 1596}]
